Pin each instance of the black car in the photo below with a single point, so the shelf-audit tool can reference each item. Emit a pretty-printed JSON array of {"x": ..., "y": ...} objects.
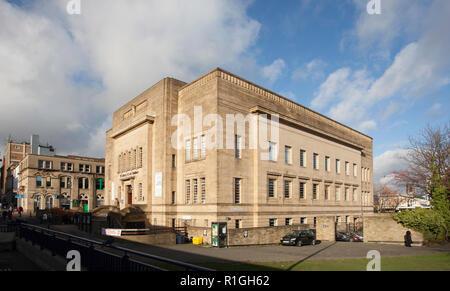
[
  {"x": 299, "y": 238},
  {"x": 340, "y": 236}
]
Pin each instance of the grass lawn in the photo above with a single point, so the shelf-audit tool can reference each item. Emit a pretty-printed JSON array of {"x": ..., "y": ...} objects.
[{"x": 433, "y": 262}]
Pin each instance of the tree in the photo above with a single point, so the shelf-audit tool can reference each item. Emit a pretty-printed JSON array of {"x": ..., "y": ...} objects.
[
  {"x": 386, "y": 199},
  {"x": 431, "y": 147}
]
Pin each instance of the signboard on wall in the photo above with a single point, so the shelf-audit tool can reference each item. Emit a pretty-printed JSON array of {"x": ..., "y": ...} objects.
[{"x": 158, "y": 184}]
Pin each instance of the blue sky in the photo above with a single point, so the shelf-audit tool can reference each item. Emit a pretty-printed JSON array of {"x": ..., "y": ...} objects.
[{"x": 386, "y": 75}]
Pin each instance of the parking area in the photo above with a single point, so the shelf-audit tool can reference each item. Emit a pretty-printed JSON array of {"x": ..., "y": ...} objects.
[{"x": 277, "y": 253}]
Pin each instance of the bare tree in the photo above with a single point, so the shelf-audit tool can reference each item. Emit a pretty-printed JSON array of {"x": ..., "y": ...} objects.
[
  {"x": 387, "y": 199},
  {"x": 432, "y": 145}
]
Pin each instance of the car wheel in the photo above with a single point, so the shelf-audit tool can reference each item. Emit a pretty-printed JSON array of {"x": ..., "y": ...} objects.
[
  {"x": 313, "y": 242},
  {"x": 299, "y": 244}
]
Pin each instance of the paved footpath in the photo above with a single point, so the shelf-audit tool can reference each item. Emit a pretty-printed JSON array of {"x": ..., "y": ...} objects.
[{"x": 270, "y": 253}]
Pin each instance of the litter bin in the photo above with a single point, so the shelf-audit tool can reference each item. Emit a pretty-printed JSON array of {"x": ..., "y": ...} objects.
[{"x": 180, "y": 239}]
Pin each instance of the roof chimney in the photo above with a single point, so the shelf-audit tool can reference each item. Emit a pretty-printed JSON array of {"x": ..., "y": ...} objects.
[{"x": 34, "y": 144}]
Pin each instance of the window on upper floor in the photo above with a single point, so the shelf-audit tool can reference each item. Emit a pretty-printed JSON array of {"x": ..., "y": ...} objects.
[
  {"x": 188, "y": 150},
  {"x": 271, "y": 188},
  {"x": 273, "y": 152},
  {"x": 338, "y": 166},
  {"x": 237, "y": 146},
  {"x": 302, "y": 158},
  {"x": 315, "y": 161},
  {"x": 288, "y": 155}
]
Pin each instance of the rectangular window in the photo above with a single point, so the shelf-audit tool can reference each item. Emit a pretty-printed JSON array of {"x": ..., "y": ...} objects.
[
  {"x": 272, "y": 222},
  {"x": 48, "y": 164},
  {"x": 302, "y": 220},
  {"x": 48, "y": 182},
  {"x": 237, "y": 190},
  {"x": 38, "y": 181},
  {"x": 316, "y": 161},
  {"x": 141, "y": 154},
  {"x": 287, "y": 189},
  {"x": 195, "y": 144},
  {"x": 288, "y": 221},
  {"x": 346, "y": 194},
  {"x": 354, "y": 194},
  {"x": 237, "y": 146},
  {"x": 327, "y": 192},
  {"x": 315, "y": 221},
  {"x": 141, "y": 193},
  {"x": 347, "y": 168},
  {"x": 62, "y": 183},
  {"x": 86, "y": 183},
  {"x": 63, "y": 166},
  {"x": 337, "y": 193},
  {"x": 338, "y": 166},
  {"x": 287, "y": 154},
  {"x": 327, "y": 164},
  {"x": 272, "y": 151},
  {"x": 203, "y": 146},
  {"x": 100, "y": 184},
  {"x": 195, "y": 187},
  {"x": 302, "y": 190},
  {"x": 355, "y": 170},
  {"x": 134, "y": 159},
  {"x": 302, "y": 158},
  {"x": 315, "y": 186},
  {"x": 237, "y": 223},
  {"x": 173, "y": 197},
  {"x": 69, "y": 166},
  {"x": 271, "y": 188},
  {"x": 203, "y": 189},
  {"x": 81, "y": 168},
  {"x": 188, "y": 191},
  {"x": 174, "y": 161},
  {"x": 188, "y": 150},
  {"x": 69, "y": 183}
]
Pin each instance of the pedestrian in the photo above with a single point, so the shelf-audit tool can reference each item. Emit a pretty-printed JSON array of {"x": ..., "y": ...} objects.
[
  {"x": 4, "y": 214},
  {"x": 44, "y": 217},
  {"x": 10, "y": 213},
  {"x": 408, "y": 239},
  {"x": 20, "y": 211}
]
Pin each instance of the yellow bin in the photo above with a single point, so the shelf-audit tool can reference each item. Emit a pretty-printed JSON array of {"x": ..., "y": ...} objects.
[{"x": 197, "y": 240}]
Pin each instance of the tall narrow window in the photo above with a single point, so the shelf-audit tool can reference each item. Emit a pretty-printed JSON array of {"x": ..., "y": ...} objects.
[
  {"x": 174, "y": 161},
  {"x": 188, "y": 150},
  {"x": 327, "y": 164},
  {"x": 315, "y": 191},
  {"x": 38, "y": 181},
  {"x": 119, "y": 164},
  {"x": 346, "y": 194},
  {"x": 337, "y": 193},
  {"x": 355, "y": 170},
  {"x": 134, "y": 159},
  {"x": 327, "y": 192},
  {"x": 354, "y": 194},
  {"x": 203, "y": 146},
  {"x": 287, "y": 154},
  {"x": 173, "y": 197},
  {"x": 141, "y": 193},
  {"x": 272, "y": 222},
  {"x": 237, "y": 146},
  {"x": 203, "y": 189},
  {"x": 302, "y": 158},
  {"x": 188, "y": 191},
  {"x": 338, "y": 166},
  {"x": 347, "y": 168},
  {"x": 271, "y": 188},
  {"x": 302, "y": 190},
  {"x": 316, "y": 161},
  {"x": 195, "y": 188},
  {"x": 287, "y": 189},
  {"x": 237, "y": 190},
  {"x": 195, "y": 145},
  {"x": 272, "y": 151},
  {"x": 140, "y": 157}
]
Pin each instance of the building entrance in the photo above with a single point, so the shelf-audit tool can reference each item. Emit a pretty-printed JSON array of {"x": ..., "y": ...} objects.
[{"x": 130, "y": 194}]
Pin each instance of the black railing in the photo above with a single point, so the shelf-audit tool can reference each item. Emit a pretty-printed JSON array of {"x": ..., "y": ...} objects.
[{"x": 98, "y": 256}]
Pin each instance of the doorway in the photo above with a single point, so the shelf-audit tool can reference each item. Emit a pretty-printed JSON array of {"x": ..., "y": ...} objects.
[{"x": 130, "y": 194}]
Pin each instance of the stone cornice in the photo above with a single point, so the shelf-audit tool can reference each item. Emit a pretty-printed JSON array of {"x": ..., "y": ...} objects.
[{"x": 135, "y": 123}]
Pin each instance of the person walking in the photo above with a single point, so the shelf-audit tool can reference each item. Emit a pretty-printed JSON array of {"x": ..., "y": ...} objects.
[
  {"x": 44, "y": 217},
  {"x": 20, "y": 211},
  {"x": 408, "y": 239}
]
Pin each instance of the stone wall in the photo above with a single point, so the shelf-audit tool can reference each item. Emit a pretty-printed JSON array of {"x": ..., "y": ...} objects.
[
  {"x": 255, "y": 235},
  {"x": 168, "y": 238},
  {"x": 382, "y": 228},
  {"x": 325, "y": 229}
]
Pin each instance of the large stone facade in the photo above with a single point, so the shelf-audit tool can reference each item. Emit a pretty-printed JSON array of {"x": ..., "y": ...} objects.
[
  {"x": 65, "y": 182},
  {"x": 149, "y": 166}
]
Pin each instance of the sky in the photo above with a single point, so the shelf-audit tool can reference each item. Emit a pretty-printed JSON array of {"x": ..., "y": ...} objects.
[{"x": 63, "y": 75}]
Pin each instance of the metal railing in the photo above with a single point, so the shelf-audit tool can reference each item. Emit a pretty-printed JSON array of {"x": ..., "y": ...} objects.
[{"x": 95, "y": 255}]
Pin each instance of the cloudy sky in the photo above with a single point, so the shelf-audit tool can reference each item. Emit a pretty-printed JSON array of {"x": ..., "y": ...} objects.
[{"x": 62, "y": 75}]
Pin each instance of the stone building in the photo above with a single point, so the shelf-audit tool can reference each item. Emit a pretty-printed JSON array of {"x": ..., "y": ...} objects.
[
  {"x": 310, "y": 165},
  {"x": 68, "y": 182}
]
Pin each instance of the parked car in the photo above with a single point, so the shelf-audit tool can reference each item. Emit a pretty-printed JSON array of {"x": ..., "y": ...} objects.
[
  {"x": 299, "y": 238},
  {"x": 340, "y": 236},
  {"x": 355, "y": 237}
]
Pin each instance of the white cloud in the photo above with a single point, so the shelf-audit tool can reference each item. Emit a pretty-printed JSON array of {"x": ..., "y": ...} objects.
[
  {"x": 312, "y": 70},
  {"x": 389, "y": 161},
  {"x": 420, "y": 68},
  {"x": 65, "y": 74},
  {"x": 273, "y": 71}
]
